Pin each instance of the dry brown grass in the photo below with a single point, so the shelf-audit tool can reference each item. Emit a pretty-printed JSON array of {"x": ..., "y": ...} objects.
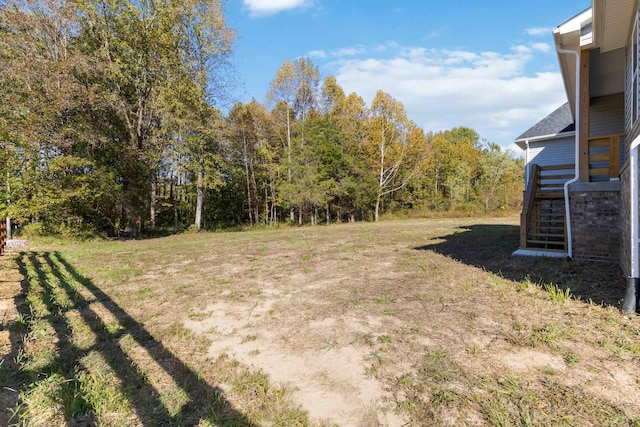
[{"x": 417, "y": 322}]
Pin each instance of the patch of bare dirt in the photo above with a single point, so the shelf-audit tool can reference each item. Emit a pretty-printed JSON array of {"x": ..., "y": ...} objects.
[{"x": 321, "y": 364}]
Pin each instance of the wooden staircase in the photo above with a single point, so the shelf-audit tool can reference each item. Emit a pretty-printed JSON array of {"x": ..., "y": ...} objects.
[{"x": 543, "y": 222}]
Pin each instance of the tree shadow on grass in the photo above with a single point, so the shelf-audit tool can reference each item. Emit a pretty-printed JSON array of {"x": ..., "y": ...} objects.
[
  {"x": 62, "y": 293},
  {"x": 490, "y": 247}
]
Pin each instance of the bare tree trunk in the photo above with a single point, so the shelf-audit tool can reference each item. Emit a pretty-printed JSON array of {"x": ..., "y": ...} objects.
[
  {"x": 256, "y": 208},
  {"x": 291, "y": 211},
  {"x": 174, "y": 202},
  {"x": 8, "y": 219},
  {"x": 328, "y": 216},
  {"x": 267, "y": 213},
  {"x": 199, "y": 195},
  {"x": 274, "y": 209},
  {"x": 154, "y": 200},
  {"x": 246, "y": 172},
  {"x": 133, "y": 227},
  {"x": 381, "y": 179},
  {"x": 122, "y": 224}
]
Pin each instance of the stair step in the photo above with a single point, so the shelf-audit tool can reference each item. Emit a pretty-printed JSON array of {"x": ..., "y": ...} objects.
[
  {"x": 546, "y": 229},
  {"x": 562, "y": 250},
  {"x": 556, "y": 218},
  {"x": 545, "y": 242},
  {"x": 557, "y": 240},
  {"x": 559, "y": 195},
  {"x": 559, "y": 176},
  {"x": 558, "y": 235}
]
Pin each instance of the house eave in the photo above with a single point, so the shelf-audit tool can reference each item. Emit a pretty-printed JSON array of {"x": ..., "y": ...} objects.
[
  {"x": 575, "y": 34},
  {"x": 521, "y": 142},
  {"x": 612, "y": 21},
  {"x": 576, "y": 23}
]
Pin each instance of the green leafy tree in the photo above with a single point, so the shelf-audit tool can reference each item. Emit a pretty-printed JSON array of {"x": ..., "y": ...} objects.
[
  {"x": 500, "y": 178},
  {"x": 390, "y": 147},
  {"x": 294, "y": 88},
  {"x": 255, "y": 147}
]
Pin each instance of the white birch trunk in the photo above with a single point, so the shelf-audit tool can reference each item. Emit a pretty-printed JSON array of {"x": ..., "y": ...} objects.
[
  {"x": 8, "y": 219},
  {"x": 199, "y": 196},
  {"x": 291, "y": 212},
  {"x": 154, "y": 199}
]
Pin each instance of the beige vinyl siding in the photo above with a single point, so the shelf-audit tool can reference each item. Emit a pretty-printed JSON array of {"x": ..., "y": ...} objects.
[
  {"x": 552, "y": 152},
  {"x": 607, "y": 118},
  {"x": 632, "y": 82},
  {"x": 607, "y": 115}
]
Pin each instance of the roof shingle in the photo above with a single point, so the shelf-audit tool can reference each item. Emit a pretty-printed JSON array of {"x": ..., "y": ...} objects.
[{"x": 560, "y": 121}]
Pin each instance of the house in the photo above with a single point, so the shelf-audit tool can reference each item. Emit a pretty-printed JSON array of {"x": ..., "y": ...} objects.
[{"x": 581, "y": 195}]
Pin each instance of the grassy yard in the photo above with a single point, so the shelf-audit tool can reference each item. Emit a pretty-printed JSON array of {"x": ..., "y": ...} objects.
[{"x": 416, "y": 323}]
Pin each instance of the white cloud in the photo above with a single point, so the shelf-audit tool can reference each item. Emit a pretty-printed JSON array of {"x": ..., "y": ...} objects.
[
  {"x": 317, "y": 54},
  {"x": 515, "y": 150},
  {"x": 490, "y": 92},
  {"x": 388, "y": 45},
  {"x": 349, "y": 51},
  {"x": 542, "y": 47},
  {"x": 539, "y": 31},
  {"x": 258, "y": 8},
  {"x": 521, "y": 49}
]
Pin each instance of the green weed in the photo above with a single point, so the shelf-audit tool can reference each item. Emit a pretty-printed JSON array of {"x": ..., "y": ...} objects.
[
  {"x": 549, "y": 335},
  {"x": 405, "y": 381},
  {"x": 385, "y": 299},
  {"x": 557, "y": 294},
  {"x": 384, "y": 339}
]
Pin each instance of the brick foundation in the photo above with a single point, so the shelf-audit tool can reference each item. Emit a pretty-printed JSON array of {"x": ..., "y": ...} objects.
[
  {"x": 595, "y": 221},
  {"x": 625, "y": 213}
]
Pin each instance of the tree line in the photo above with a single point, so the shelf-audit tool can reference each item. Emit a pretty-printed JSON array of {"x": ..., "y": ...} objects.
[{"x": 112, "y": 123}]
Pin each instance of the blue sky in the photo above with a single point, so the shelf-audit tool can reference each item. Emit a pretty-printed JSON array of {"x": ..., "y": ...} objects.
[{"x": 486, "y": 64}]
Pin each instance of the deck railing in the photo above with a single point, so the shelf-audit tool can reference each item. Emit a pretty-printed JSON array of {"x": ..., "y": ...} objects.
[
  {"x": 545, "y": 182},
  {"x": 527, "y": 204},
  {"x": 552, "y": 178},
  {"x": 3, "y": 235},
  {"x": 604, "y": 157}
]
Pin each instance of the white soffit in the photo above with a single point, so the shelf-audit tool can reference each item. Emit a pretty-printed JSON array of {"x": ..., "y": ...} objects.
[
  {"x": 573, "y": 34},
  {"x": 612, "y": 18},
  {"x": 586, "y": 34},
  {"x": 575, "y": 24}
]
